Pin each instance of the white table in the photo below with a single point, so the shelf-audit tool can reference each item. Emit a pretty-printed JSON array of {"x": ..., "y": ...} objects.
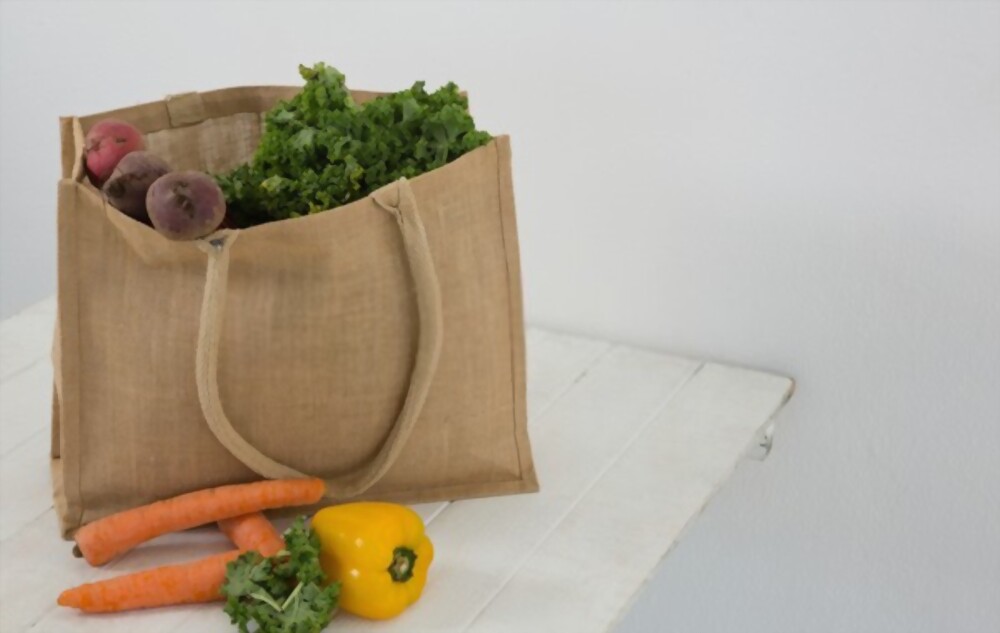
[{"x": 629, "y": 444}]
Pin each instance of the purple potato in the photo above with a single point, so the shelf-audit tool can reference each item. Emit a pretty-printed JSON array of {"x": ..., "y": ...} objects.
[
  {"x": 185, "y": 205},
  {"x": 127, "y": 187}
]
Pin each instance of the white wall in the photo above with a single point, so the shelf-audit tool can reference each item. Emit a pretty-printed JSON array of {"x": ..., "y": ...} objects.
[{"x": 812, "y": 188}]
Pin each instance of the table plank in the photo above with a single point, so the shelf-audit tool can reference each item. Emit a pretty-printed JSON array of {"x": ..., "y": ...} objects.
[
  {"x": 24, "y": 409},
  {"x": 25, "y": 485},
  {"x": 26, "y": 337},
  {"x": 554, "y": 363},
  {"x": 584, "y": 573}
]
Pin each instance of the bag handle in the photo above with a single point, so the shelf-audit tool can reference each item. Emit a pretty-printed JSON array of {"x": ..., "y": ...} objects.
[{"x": 398, "y": 200}]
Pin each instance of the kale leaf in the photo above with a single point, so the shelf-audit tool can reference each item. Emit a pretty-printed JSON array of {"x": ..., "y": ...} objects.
[
  {"x": 320, "y": 149},
  {"x": 283, "y": 593}
]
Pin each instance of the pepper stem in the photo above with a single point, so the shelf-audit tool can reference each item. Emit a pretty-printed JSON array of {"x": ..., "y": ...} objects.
[{"x": 403, "y": 560}]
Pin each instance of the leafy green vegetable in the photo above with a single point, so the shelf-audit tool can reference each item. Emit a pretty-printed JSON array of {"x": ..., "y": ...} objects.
[
  {"x": 283, "y": 593},
  {"x": 321, "y": 150}
]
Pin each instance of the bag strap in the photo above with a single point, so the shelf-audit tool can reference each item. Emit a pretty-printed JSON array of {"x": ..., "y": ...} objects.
[{"x": 397, "y": 199}]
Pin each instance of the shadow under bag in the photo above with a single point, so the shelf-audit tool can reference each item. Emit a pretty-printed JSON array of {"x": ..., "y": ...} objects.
[{"x": 378, "y": 345}]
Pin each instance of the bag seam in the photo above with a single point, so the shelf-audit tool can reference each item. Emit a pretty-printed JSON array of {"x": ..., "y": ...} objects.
[
  {"x": 78, "y": 467},
  {"x": 510, "y": 310}
]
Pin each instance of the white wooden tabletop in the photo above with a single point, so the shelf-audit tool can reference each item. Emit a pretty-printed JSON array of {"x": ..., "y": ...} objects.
[{"x": 629, "y": 445}]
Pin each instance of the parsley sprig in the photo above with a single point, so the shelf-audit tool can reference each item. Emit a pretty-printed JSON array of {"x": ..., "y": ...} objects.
[{"x": 283, "y": 593}]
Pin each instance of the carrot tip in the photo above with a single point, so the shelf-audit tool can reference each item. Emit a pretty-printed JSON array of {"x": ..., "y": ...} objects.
[
  {"x": 77, "y": 552},
  {"x": 65, "y": 600}
]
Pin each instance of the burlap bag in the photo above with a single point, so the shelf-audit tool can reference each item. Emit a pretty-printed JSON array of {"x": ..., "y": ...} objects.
[{"x": 379, "y": 345}]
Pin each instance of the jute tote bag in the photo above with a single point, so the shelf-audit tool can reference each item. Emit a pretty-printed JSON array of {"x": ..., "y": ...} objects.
[{"x": 378, "y": 345}]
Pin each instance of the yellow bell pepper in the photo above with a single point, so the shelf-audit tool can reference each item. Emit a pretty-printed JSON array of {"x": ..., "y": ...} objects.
[{"x": 379, "y": 554}]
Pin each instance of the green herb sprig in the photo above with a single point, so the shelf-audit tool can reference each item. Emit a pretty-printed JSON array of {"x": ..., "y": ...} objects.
[{"x": 284, "y": 593}]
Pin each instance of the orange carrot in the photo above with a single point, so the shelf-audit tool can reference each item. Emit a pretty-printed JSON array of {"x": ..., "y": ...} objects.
[
  {"x": 199, "y": 581},
  {"x": 106, "y": 538},
  {"x": 253, "y": 532}
]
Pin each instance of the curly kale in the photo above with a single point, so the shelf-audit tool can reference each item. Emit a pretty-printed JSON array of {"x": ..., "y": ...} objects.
[{"x": 321, "y": 150}]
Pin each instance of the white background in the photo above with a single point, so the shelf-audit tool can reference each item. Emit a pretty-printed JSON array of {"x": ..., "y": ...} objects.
[{"x": 812, "y": 188}]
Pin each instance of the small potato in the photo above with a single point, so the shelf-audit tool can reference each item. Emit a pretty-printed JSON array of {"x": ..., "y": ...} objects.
[
  {"x": 106, "y": 143},
  {"x": 185, "y": 205},
  {"x": 126, "y": 189}
]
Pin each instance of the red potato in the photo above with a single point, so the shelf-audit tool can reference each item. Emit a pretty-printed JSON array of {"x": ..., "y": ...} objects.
[
  {"x": 127, "y": 187},
  {"x": 185, "y": 205},
  {"x": 106, "y": 144}
]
